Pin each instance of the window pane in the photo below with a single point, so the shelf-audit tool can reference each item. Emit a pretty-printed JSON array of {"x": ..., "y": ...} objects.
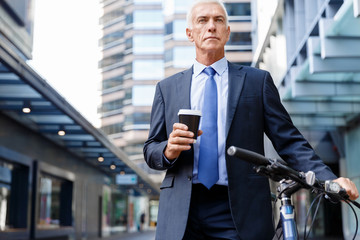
[
  {"x": 5, "y": 190},
  {"x": 112, "y": 82},
  {"x": 113, "y": 59},
  {"x": 179, "y": 29},
  {"x": 141, "y": 118},
  {"x": 112, "y": 105},
  {"x": 119, "y": 206},
  {"x": 110, "y": 16},
  {"x": 169, "y": 55},
  {"x": 183, "y": 56},
  {"x": 169, "y": 28},
  {"x": 111, "y": 37},
  {"x": 240, "y": 38},
  {"x": 112, "y": 129},
  {"x": 144, "y": 19},
  {"x": 148, "y": 69},
  {"x": 14, "y": 195},
  {"x": 54, "y": 207},
  {"x": 143, "y": 95},
  {"x": 181, "y": 6},
  {"x": 148, "y": 44},
  {"x": 238, "y": 9}
]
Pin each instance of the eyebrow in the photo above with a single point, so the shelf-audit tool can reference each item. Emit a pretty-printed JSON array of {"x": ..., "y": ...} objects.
[{"x": 219, "y": 16}]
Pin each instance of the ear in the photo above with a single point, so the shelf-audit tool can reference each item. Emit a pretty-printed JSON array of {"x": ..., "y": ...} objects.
[
  {"x": 228, "y": 33},
  {"x": 189, "y": 34}
]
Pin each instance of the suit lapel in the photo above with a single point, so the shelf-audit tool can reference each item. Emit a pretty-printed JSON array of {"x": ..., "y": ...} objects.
[
  {"x": 236, "y": 81},
  {"x": 183, "y": 86},
  {"x": 235, "y": 84}
]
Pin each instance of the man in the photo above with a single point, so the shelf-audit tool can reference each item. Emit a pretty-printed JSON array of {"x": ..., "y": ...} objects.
[{"x": 234, "y": 202}]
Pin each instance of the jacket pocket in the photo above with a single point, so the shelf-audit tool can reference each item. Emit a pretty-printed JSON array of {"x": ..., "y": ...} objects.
[{"x": 168, "y": 182}]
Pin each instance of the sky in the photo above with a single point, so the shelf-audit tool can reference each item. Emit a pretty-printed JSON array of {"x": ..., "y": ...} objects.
[{"x": 66, "y": 51}]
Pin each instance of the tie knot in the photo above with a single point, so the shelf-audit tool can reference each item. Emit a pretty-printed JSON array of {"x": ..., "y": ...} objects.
[{"x": 209, "y": 71}]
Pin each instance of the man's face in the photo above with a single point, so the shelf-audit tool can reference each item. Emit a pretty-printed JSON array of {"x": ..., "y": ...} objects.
[{"x": 209, "y": 31}]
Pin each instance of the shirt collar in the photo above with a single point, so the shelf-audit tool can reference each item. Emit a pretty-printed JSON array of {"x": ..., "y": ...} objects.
[{"x": 219, "y": 66}]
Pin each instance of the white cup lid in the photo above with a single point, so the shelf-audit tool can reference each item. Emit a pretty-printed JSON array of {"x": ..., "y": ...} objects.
[{"x": 189, "y": 112}]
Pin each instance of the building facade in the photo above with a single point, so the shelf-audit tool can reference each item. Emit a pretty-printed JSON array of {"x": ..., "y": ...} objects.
[
  {"x": 60, "y": 177},
  {"x": 311, "y": 48},
  {"x": 133, "y": 48},
  {"x": 146, "y": 42}
]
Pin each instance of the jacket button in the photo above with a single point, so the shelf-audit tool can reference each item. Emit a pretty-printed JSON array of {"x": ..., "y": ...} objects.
[{"x": 189, "y": 178}]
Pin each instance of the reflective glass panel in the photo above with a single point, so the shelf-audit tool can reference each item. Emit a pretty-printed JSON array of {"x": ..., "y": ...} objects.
[
  {"x": 143, "y": 95},
  {"x": 238, "y": 9},
  {"x": 239, "y": 38},
  {"x": 145, "y": 19},
  {"x": 183, "y": 56},
  {"x": 148, "y": 44},
  {"x": 148, "y": 69},
  {"x": 14, "y": 196},
  {"x": 54, "y": 208},
  {"x": 5, "y": 190},
  {"x": 180, "y": 29},
  {"x": 181, "y": 6}
]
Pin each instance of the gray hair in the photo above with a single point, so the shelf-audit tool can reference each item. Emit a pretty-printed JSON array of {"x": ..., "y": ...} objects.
[{"x": 189, "y": 14}]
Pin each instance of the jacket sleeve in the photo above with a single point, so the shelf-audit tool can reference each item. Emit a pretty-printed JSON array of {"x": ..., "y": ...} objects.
[
  {"x": 158, "y": 136},
  {"x": 286, "y": 138}
]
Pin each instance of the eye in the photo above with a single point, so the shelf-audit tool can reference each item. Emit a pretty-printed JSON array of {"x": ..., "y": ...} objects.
[{"x": 201, "y": 20}]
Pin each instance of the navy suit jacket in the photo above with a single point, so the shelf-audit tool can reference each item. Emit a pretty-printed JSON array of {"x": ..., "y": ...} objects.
[{"x": 254, "y": 108}]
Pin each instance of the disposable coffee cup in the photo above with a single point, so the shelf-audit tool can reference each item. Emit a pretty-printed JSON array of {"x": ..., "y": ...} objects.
[{"x": 190, "y": 118}]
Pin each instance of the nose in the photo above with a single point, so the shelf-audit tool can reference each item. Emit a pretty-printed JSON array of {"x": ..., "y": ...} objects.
[{"x": 211, "y": 26}]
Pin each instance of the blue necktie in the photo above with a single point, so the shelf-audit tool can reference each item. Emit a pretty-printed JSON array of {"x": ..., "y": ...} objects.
[{"x": 208, "y": 170}]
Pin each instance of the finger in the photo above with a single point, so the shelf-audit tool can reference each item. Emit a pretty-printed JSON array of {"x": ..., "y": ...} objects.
[
  {"x": 349, "y": 186},
  {"x": 178, "y": 147},
  {"x": 200, "y": 132},
  {"x": 353, "y": 193},
  {"x": 179, "y": 144},
  {"x": 181, "y": 133},
  {"x": 180, "y": 126},
  {"x": 181, "y": 140}
]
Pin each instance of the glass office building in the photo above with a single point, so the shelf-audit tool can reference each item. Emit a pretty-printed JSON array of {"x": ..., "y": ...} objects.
[
  {"x": 60, "y": 177},
  {"x": 311, "y": 48},
  {"x": 132, "y": 63},
  {"x": 143, "y": 42}
]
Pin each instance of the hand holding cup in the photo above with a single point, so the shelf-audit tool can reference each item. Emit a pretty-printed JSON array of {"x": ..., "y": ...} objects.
[
  {"x": 191, "y": 118},
  {"x": 184, "y": 134}
]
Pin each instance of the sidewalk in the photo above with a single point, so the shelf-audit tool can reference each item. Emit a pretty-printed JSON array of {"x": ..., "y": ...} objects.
[{"x": 146, "y": 235}]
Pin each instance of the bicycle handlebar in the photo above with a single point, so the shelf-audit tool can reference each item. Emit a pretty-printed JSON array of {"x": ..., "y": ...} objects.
[
  {"x": 280, "y": 170},
  {"x": 248, "y": 156}
]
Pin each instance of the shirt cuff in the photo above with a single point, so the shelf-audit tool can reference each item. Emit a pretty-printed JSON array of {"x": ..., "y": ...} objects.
[{"x": 167, "y": 161}]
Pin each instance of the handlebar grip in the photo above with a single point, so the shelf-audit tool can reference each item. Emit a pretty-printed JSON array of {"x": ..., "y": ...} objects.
[
  {"x": 335, "y": 188},
  {"x": 248, "y": 156},
  {"x": 334, "y": 191}
]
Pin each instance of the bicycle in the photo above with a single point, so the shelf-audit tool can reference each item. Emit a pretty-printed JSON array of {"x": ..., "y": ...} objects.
[{"x": 290, "y": 181}]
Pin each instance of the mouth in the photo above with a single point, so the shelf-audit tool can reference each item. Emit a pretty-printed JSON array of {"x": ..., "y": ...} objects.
[{"x": 212, "y": 38}]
